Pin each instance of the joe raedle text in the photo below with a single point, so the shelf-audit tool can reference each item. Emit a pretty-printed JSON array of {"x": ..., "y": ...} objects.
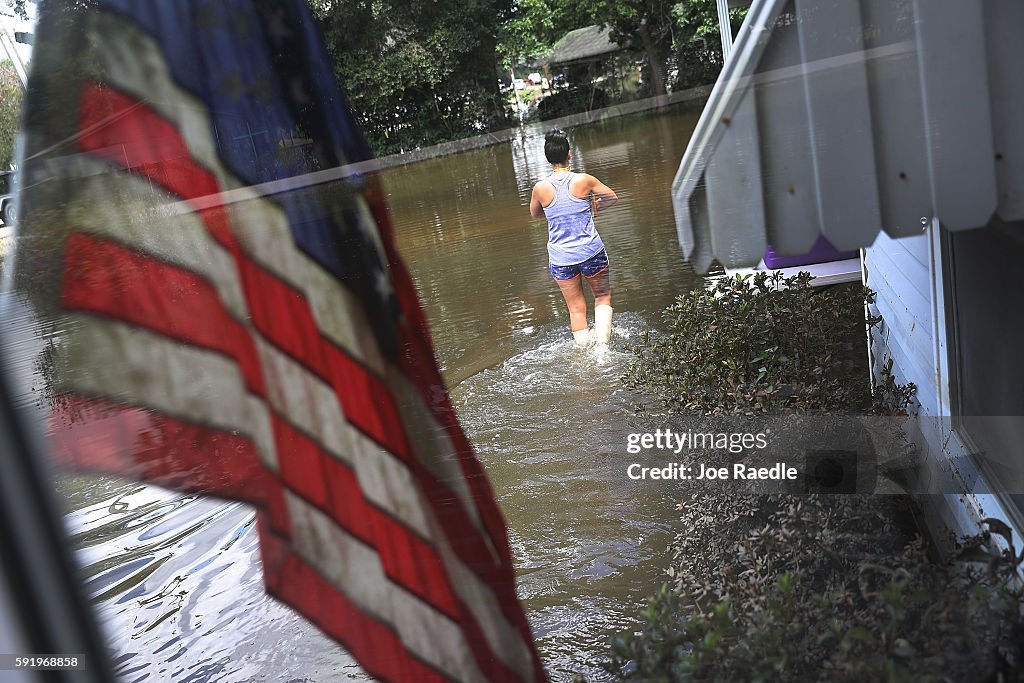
[
  {"x": 780, "y": 471},
  {"x": 686, "y": 446}
]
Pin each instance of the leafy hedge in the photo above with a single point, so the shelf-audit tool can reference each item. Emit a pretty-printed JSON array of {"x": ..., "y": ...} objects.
[
  {"x": 824, "y": 589},
  {"x": 758, "y": 344},
  {"x": 806, "y": 588}
]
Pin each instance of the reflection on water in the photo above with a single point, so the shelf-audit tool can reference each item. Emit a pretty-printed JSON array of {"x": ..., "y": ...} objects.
[
  {"x": 480, "y": 260},
  {"x": 176, "y": 578}
]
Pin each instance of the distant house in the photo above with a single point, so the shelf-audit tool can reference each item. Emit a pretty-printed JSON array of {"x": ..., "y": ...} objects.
[
  {"x": 590, "y": 64},
  {"x": 893, "y": 128},
  {"x": 589, "y": 45}
]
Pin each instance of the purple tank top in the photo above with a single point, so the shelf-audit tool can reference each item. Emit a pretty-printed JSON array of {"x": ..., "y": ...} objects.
[{"x": 572, "y": 237}]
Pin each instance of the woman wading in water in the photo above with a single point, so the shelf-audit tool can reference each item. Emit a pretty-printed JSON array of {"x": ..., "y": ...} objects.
[{"x": 570, "y": 201}]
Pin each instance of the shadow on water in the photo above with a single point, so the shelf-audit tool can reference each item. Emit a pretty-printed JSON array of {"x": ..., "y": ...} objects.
[{"x": 176, "y": 578}]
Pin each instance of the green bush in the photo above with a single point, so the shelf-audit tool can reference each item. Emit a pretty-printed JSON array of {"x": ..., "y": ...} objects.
[
  {"x": 759, "y": 343},
  {"x": 806, "y": 588},
  {"x": 819, "y": 589}
]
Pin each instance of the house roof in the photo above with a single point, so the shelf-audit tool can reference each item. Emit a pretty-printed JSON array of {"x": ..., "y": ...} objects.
[
  {"x": 582, "y": 44},
  {"x": 852, "y": 119}
]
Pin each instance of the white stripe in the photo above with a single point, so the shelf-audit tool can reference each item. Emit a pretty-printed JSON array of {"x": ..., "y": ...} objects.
[
  {"x": 127, "y": 209},
  {"x": 263, "y": 232},
  {"x": 355, "y": 569},
  {"x": 135, "y": 65},
  {"x": 114, "y": 360},
  {"x": 309, "y": 403}
]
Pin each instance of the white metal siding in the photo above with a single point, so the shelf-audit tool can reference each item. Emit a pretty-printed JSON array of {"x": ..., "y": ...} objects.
[
  {"x": 901, "y": 280},
  {"x": 845, "y": 118}
]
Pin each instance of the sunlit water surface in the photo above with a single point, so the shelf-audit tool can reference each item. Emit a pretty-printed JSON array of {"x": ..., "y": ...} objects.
[{"x": 176, "y": 579}]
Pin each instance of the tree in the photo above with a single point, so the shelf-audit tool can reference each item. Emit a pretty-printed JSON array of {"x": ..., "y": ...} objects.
[
  {"x": 532, "y": 27},
  {"x": 660, "y": 28},
  {"x": 647, "y": 26},
  {"x": 416, "y": 72},
  {"x": 11, "y": 97}
]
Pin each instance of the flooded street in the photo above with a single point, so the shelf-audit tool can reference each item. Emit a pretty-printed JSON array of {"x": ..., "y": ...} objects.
[
  {"x": 176, "y": 578},
  {"x": 548, "y": 421}
]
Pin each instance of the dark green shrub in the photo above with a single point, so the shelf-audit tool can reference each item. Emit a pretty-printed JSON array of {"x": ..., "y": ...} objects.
[
  {"x": 757, "y": 344},
  {"x": 819, "y": 589}
]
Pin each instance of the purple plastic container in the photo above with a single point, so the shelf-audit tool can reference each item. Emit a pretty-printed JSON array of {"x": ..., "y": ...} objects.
[{"x": 821, "y": 252}]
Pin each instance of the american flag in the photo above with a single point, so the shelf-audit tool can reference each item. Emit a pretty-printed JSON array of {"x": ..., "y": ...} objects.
[{"x": 236, "y": 321}]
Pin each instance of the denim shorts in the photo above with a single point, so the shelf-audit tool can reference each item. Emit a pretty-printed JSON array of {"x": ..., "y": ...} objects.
[{"x": 595, "y": 265}]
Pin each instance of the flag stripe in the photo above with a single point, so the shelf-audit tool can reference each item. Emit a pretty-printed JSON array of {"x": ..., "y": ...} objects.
[
  {"x": 401, "y": 561},
  {"x": 375, "y": 644},
  {"x": 98, "y": 434}
]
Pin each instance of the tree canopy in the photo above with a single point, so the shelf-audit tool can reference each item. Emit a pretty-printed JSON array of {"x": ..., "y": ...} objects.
[
  {"x": 419, "y": 72},
  {"x": 416, "y": 72}
]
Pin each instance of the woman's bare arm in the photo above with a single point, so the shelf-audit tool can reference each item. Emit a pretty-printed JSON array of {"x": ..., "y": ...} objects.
[{"x": 604, "y": 196}]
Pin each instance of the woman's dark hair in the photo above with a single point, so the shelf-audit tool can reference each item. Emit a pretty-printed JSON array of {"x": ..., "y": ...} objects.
[{"x": 556, "y": 146}]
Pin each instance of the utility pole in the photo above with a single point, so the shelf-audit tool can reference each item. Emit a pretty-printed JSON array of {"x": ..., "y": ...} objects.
[
  {"x": 515, "y": 91},
  {"x": 725, "y": 28}
]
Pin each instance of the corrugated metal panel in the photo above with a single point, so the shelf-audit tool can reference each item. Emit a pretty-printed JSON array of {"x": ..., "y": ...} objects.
[{"x": 860, "y": 116}]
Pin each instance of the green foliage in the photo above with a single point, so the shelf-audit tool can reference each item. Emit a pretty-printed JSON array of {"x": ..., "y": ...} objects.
[
  {"x": 571, "y": 101},
  {"x": 758, "y": 344},
  {"x": 11, "y": 97},
  {"x": 697, "y": 48},
  {"x": 819, "y": 589},
  {"x": 532, "y": 27},
  {"x": 890, "y": 397},
  {"x": 416, "y": 73}
]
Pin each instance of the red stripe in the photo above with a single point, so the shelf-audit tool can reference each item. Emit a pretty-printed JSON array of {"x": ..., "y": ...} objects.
[
  {"x": 99, "y": 435},
  {"x": 284, "y": 317},
  {"x": 104, "y": 277},
  {"x": 375, "y": 645}
]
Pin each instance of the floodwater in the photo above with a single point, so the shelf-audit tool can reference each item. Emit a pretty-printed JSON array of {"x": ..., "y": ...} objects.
[{"x": 175, "y": 578}]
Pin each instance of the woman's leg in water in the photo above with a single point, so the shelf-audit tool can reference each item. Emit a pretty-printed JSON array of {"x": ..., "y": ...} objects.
[
  {"x": 601, "y": 286},
  {"x": 572, "y": 290}
]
